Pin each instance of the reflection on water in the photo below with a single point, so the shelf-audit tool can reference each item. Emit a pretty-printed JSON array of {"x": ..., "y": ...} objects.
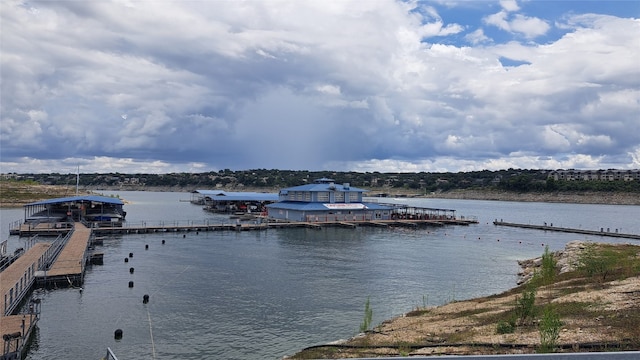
[{"x": 266, "y": 294}]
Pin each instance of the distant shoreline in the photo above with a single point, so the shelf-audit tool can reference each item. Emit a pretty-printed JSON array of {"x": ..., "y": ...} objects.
[
  {"x": 32, "y": 193},
  {"x": 618, "y": 198}
]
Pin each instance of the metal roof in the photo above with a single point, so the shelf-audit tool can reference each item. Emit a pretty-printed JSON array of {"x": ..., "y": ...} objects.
[
  {"x": 317, "y": 206},
  {"x": 82, "y": 198},
  {"x": 324, "y": 187},
  {"x": 219, "y": 195},
  {"x": 210, "y": 192}
]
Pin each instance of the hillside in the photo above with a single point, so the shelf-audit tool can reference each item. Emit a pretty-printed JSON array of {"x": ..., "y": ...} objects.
[{"x": 18, "y": 193}]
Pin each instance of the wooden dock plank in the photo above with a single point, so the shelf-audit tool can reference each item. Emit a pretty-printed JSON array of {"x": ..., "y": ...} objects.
[
  {"x": 13, "y": 324},
  {"x": 263, "y": 225},
  {"x": 71, "y": 258},
  {"x": 11, "y": 276}
]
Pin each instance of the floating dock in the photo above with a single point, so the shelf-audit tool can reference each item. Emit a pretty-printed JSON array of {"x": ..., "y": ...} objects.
[
  {"x": 257, "y": 224},
  {"x": 61, "y": 262},
  {"x": 17, "y": 282},
  {"x": 545, "y": 227},
  {"x": 68, "y": 267}
]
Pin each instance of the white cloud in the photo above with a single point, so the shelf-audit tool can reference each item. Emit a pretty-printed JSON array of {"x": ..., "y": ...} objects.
[
  {"x": 509, "y": 5},
  {"x": 310, "y": 85},
  {"x": 529, "y": 26},
  {"x": 477, "y": 37},
  {"x": 506, "y": 20}
]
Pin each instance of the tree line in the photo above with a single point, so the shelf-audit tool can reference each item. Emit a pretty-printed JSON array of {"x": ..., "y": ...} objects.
[{"x": 516, "y": 180}]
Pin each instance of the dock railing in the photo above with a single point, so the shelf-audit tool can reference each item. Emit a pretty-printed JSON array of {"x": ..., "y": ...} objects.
[
  {"x": 110, "y": 355},
  {"x": 170, "y": 224},
  {"x": 56, "y": 247}
]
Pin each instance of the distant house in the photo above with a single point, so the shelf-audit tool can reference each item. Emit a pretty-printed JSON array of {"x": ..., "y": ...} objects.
[
  {"x": 324, "y": 200},
  {"x": 589, "y": 175}
]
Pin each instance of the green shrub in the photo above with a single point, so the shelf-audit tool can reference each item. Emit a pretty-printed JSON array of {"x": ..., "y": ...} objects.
[
  {"x": 549, "y": 327},
  {"x": 548, "y": 272},
  {"x": 597, "y": 262},
  {"x": 506, "y": 327},
  {"x": 525, "y": 305},
  {"x": 368, "y": 315}
]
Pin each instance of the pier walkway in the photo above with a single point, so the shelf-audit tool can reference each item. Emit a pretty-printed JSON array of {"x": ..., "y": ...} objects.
[
  {"x": 16, "y": 282},
  {"x": 256, "y": 224},
  {"x": 67, "y": 257},
  {"x": 568, "y": 230},
  {"x": 17, "y": 279},
  {"x": 70, "y": 263}
]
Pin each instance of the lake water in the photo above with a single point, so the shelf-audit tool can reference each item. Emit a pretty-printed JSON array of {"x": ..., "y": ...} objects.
[{"x": 267, "y": 294}]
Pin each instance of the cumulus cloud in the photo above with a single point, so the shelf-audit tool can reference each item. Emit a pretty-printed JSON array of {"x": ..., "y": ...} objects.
[
  {"x": 345, "y": 85},
  {"x": 506, "y": 20}
]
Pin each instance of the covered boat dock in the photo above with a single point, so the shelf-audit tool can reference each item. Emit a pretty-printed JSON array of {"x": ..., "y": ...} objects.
[
  {"x": 64, "y": 211},
  {"x": 233, "y": 202}
]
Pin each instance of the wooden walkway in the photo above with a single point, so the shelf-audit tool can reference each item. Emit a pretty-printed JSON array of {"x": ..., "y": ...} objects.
[
  {"x": 70, "y": 263},
  {"x": 21, "y": 327},
  {"x": 568, "y": 230},
  {"x": 42, "y": 229},
  {"x": 279, "y": 225},
  {"x": 16, "y": 280},
  {"x": 247, "y": 226}
]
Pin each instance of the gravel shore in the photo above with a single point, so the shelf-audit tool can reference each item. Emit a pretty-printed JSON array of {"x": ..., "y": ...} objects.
[{"x": 618, "y": 198}]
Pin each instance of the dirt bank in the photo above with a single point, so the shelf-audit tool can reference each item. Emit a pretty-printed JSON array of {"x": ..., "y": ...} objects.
[
  {"x": 618, "y": 198},
  {"x": 16, "y": 194},
  {"x": 595, "y": 314}
]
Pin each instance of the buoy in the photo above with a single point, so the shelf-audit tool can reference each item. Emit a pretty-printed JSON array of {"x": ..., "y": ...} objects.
[
  {"x": 184, "y": 236},
  {"x": 118, "y": 334},
  {"x": 162, "y": 241},
  {"x": 126, "y": 260},
  {"x": 146, "y": 247},
  {"x": 145, "y": 299},
  {"x": 130, "y": 254},
  {"x": 130, "y": 284},
  {"x": 131, "y": 270}
]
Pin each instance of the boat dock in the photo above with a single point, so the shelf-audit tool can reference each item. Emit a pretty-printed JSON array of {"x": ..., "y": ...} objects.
[
  {"x": 550, "y": 227},
  {"x": 68, "y": 267},
  {"x": 17, "y": 281},
  {"x": 256, "y": 224},
  {"x": 60, "y": 262}
]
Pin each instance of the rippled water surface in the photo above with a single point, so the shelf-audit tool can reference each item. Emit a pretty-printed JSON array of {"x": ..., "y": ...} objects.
[{"x": 266, "y": 294}]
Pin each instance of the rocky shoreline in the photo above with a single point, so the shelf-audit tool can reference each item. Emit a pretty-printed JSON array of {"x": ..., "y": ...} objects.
[
  {"x": 596, "y": 315},
  {"x": 566, "y": 261},
  {"x": 618, "y": 198}
]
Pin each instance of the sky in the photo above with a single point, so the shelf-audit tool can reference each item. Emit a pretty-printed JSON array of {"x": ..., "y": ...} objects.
[{"x": 351, "y": 85}]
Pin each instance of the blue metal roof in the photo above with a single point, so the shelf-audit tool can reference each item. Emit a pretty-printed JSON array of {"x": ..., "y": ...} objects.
[
  {"x": 324, "y": 187},
  {"x": 93, "y": 198}
]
